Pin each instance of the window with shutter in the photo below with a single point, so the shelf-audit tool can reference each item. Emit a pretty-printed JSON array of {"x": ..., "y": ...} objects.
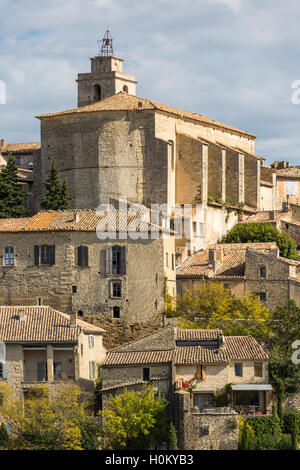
[
  {"x": 82, "y": 256},
  {"x": 117, "y": 289},
  {"x": 116, "y": 260},
  {"x": 9, "y": 259},
  {"x": 123, "y": 260},
  {"x": 45, "y": 254},
  {"x": 36, "y": 255},
  {"x": 91, "y": 341},
  {"x": 5, "y": 370},
  {"x": 52, "y": 254}
]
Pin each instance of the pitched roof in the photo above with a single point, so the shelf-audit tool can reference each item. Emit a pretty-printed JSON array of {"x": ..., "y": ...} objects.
[
  {"x": 234, "y": 348},
  {"x": 20, "y": 147},
  {"x": 290, "y": 172},
  {"x": 41, "y": 324},
  {"x": 232, "y": 265},
  {"x": 65, "y": 220},
  {"x": 124, "y": 102}
]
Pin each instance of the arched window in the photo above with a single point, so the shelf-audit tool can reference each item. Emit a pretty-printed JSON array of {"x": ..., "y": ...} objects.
[
  {"x": 125, "y": 88},
  {"x": 97, "y": 93}
]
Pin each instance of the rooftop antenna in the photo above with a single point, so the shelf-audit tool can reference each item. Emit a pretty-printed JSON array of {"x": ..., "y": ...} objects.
[{"x": 106, "y": 45}]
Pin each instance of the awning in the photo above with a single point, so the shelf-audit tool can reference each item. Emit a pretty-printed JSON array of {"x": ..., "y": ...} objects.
[
  {"x": 204, "y": 390},
  {"x": 251, "y": 387}
]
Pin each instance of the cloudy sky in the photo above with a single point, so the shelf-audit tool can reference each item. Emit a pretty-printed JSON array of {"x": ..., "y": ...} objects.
[{"x": 232, "y": 60}]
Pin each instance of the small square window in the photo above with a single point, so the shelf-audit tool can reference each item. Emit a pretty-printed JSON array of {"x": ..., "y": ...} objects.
[
  {"x": 238, "y": 369},
  {"x": 116, "y": 312},
  {"x": 262, "y": 272},
  {"x": 146, "y": 373},
  {"x": 262, "y": 296},
  {"x": 203, "y": 431},
  {"x": 258, "y": 369}
]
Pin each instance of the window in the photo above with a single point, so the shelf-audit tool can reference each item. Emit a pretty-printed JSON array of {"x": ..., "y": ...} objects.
[
  {"x": 238, "y": 369},
  {"x": 117, "y": 289},
  {"x": 91, "y": 341},
  {"x": 167, "y": 260},
  {"x": 39, "y": 301},
  {"x": 258, "y": 369},
  {"x": 57, "y": 370},
  {"x": 9, "y": 258},
  {"x": 227, "y": 287},
  {"x": 83, "y": 256},
  {"x": 44, "y": 254},
  {"x": 115, "y": 260},
  {"x": 291, "y": 187},
  {"x": 125, "y": 88},
  {"x": 97, "y": 93},
  {"x": 262, "y": 296},
  {"x": 3, "y": 370},
  {"x": 201, "y": 372},
  {"x": 116, "y": 312},
  {"x": 92, "y": 369},
  {"x": 146, "y": 373},
  {"x": 18, "y": 161},
  {"x": 173, "y": 261},
  {"x": 203, "y": 431},
  {"x": 42, "y": 371},
  {"x": 262, "y": 272},
  {"x": 74, "y": 289}
]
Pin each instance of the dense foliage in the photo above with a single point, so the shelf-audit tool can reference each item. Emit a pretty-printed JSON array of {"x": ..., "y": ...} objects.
[
  {"x": 56, "y": 194},
  {"x": 133, "y": 421},
  {"x": 211, "y": 306},
  {"x": 12, "y": 197},
  {"x": 262, "y": 232},
  {"x": 57, "y": 421}
]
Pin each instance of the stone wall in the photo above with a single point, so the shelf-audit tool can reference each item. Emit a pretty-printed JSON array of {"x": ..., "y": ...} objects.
[
  {"x": 292, "y": 402},
  {"x": 204, "y": 431}
]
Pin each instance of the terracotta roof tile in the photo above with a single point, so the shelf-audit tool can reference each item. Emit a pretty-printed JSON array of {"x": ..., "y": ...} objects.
[
  {"x": 20, "y": 146},
  {"x": 233, "y": 265},
  {"x": 234, "y": 348},
  {"x": 88, "y": 220},
  {"x": 124, "y": 102},
  {"x": 42, "y": 324}
]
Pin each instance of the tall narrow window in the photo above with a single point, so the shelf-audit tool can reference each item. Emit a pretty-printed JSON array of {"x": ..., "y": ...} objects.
[
  {"x": 9, "y": 256},
  {"x": 258, "y": 369},
  {"x": 91, "y": 341},
  {"x": 146, "y": 373},
  {"x": 44, "y": 254},
  {"x": 97, "y": 93},
  {"x": 92, "y": 368},
  {"x": 117, "y": 289},
  {"x": 118, "y": 260},
  {"x": 262, "y": 272},
  {"x": 238, "y": 369},
  {"x": 116, "y": 312},
  {"x": 83, "y": 256}
]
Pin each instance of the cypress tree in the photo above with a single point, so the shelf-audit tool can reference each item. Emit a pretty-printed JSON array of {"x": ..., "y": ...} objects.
[
  {"x": 12, "y": 197},
  {"x": 245, "y": 437},
  {"x": 56, "y": 195},
  {"x": 295, "y": 434},
  {"x": 4, "y": 438},
  {"x": 280, "y": 397},
  {"x": 172, "y": 438}
]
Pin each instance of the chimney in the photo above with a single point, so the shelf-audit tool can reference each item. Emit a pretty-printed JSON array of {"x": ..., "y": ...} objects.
[
  {"x": 73, "y": 320},
  {"x": 212, "y": 258},
  {"x": 76, "y": 218},
  {"x": 272, "y": 215},
  {"x": 22, "y": 315}
]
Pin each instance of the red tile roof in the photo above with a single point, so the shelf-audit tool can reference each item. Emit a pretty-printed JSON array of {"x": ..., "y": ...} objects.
[
  {"x": 124, "y": 102},
  {"x": 20, "y": 147},
  {"x": 233, "y": 264},
  {"x": 41, "y": 324}
]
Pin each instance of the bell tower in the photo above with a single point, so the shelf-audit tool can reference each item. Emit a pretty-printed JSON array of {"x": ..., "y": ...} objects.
[{"x": 106, "y": 77}]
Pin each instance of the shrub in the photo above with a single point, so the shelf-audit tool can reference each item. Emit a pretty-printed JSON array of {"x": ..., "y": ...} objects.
[
  {"x": 270, "y": 442},
  {"x": 288, "y": 421}
]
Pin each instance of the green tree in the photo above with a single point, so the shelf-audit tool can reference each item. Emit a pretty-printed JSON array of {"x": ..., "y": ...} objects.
[
  {"x": 211, "y": 306},
  {"x": 262, "y": 232},
  {"x": 245, "y": 437},
  {"x": 295, "y": 434},
  {"x": 280, "y": 397},
  {"x": 4, "y": 438},
  {"x": 12, "y": 197},
  {"x": 172, "y": 438},
  {"x": 56, "y": 421},
  {"x": 133, "y": 421},
  {"x": 56, "y": 195}
]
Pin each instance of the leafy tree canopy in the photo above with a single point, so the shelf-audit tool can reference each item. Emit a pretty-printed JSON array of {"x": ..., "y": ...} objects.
[
  {"x": 262, "y": 232},
  {"x": 12, "y": 197},
  {"x": 133, "y": 421},
  {"x": 211, "y": 306},
  {"x": 51, "y": 421},
  {"x": 56, "y": 194}
]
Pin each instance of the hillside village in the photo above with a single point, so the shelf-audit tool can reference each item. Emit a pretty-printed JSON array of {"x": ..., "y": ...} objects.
[{"x": 98, "y": 294}]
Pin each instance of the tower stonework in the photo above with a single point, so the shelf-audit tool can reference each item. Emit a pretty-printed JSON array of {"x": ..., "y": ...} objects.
[{"x": 105, "y": 79}]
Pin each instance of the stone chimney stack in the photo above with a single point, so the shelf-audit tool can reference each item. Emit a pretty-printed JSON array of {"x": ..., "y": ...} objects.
[
  {"x": 73, "y": 320},
  {"x": 212, "y": 258}
]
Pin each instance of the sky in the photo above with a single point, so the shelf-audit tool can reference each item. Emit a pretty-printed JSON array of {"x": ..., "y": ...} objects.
[{"x": 232, "y": 60}]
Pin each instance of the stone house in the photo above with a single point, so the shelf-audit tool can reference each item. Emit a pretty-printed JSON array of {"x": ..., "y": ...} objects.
[
  {"x": 241, "y": 268},
  {"x": 24, "y": 158},
  {"x": 287, "y": 184},
  {"x": 118, "y": 144},
  {"x": 56, "y": 258},
  {"x": 43, "y": 345},
  {"x": 189, "y": 367}
]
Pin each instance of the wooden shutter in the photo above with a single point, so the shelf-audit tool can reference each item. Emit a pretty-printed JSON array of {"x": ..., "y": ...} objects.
[
  {"x": 79, "y": 256},
  {"x": 36, "y": 255},
  {"x": 52, "y": 254},
  {"x": 5, "y": 370},
  {"x": 107, "y": 260},
  {"x": 85, "y": 256},
  {"x": 123, "y": 260},
  {"x": 203, "y": 372}
]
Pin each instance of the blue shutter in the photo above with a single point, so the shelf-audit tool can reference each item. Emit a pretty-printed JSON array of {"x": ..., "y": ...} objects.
[{"x": 5, "y": 370}]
